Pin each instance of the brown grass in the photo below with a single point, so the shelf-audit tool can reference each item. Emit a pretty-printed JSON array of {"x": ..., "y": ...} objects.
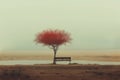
[
  {"x": 60, "y": 72},
  {"x": 48, "y": 55}
]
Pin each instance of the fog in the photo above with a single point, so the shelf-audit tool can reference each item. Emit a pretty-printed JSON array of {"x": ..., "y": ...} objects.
[{"x": 93, "y": 24}]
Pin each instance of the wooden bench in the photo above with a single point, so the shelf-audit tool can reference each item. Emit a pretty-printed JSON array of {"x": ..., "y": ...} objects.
[{"x": 63, "y": 59}]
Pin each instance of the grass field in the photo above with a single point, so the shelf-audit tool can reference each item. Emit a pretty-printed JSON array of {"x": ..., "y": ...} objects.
[{"x": 60, "y": 72}]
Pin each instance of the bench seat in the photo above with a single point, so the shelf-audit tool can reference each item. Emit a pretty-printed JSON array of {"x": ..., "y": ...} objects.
[{"x": 63, "y": 59}]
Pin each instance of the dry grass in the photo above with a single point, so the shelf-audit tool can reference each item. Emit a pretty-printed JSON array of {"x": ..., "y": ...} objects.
[
  {"x": 60, "y": 72},
  {"x": 76, "y": 55}
]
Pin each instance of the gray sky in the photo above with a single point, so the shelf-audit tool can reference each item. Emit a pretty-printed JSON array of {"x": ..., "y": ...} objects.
[{"x": 93, "y": 24}]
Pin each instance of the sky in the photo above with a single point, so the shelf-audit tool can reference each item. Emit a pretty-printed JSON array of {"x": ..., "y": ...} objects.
[{"x": 93, "y": 24}]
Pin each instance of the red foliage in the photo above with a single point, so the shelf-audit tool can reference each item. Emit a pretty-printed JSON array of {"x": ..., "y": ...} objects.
[{"x": 53, "y": 37}]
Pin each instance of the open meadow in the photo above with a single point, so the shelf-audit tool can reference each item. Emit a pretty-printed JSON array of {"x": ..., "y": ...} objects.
[
  {"x": 60, "y": 72},
  {"x": 65, "y": 71},
  {"x": 112, "y": 56}
]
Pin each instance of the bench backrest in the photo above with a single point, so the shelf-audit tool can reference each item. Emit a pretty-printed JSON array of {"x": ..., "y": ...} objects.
[{"x": 62, "y": 58}]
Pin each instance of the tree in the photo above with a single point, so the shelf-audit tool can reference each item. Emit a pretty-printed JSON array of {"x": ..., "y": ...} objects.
[{"x": 53, "y": 39}]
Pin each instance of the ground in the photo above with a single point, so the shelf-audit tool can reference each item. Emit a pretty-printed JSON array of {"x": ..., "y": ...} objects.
[{"x": 60, "y": 72}]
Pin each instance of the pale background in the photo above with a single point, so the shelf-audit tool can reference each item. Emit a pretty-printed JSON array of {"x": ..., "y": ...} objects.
[{"x": 93, "y": 24}]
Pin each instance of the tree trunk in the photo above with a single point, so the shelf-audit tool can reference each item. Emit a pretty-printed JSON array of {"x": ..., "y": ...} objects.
[
  {"x": 55, "y": 48},
  {"x": 54, "y": 62}
]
